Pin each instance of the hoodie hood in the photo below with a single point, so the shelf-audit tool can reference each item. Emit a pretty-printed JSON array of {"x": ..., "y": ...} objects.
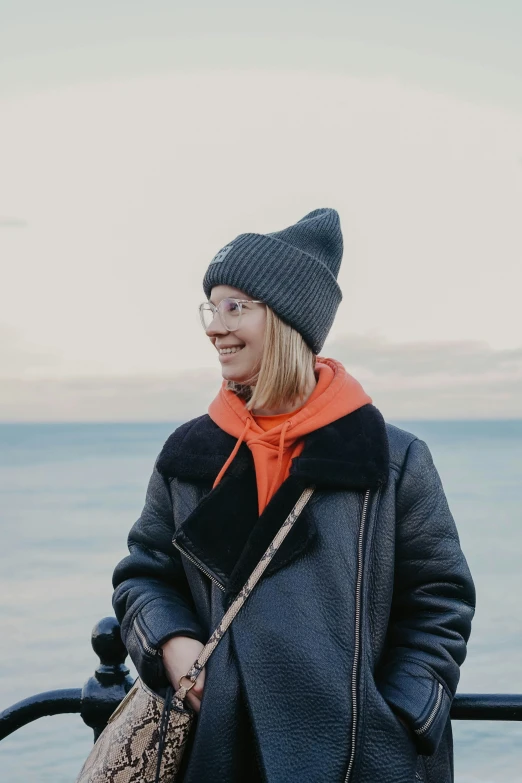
[{"x": 336, "y": 394}]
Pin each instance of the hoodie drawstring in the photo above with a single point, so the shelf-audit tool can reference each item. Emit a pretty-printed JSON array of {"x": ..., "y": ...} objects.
[
  {"x": 279, "y": 456},
  {"x": 233, "y": 454},
  {"x": 280, "y": 452}
]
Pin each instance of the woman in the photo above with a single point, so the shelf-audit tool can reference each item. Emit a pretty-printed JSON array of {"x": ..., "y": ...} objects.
[{"x": 343, "y": 664}]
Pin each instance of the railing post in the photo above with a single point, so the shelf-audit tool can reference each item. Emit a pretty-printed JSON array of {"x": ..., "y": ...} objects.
[{"x": 102, "y": 693}]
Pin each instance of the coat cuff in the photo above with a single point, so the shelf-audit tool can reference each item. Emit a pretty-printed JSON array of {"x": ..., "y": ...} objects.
[
  {"x": 413, "y": 691},
  {"x": 150, "y": 628},
  {"x": 161, "y": 619}
]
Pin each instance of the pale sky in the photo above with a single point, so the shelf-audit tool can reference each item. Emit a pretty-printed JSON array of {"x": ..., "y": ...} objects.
[{"x": 136, "y": 141}]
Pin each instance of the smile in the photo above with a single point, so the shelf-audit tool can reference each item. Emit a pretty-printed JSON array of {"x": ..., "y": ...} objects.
[{"x": 225, "y": 351}]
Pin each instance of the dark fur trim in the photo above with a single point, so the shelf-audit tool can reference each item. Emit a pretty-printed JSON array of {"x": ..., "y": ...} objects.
[
  {"x": 197, "y": 451},
  {"x": 350, "y": 453},
  {"x": 217, "y": 530}
]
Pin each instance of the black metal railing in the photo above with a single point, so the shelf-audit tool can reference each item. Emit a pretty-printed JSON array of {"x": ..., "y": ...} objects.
[{"x": 102, "y": 693}]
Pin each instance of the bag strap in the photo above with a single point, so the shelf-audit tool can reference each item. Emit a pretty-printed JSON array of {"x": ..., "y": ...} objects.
[{"x": 244, "y": 593}]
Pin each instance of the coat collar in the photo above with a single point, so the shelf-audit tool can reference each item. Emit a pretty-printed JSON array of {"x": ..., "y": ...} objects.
[
  {"x": 224, "y": 532},
  {"x": 350, "y": 453}
]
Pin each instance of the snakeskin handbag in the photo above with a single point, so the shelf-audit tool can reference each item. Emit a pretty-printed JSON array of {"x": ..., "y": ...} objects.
[{"x": 146, "y": 735}]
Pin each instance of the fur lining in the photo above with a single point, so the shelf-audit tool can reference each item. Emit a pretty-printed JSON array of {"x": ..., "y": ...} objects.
[
  {"x": 350, "y": 453},
  {"x": 197, "y": 451}
]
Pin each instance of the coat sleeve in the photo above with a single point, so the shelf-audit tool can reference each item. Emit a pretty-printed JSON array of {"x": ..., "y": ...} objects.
[
  {"x": 152, "y": 599},
  {"x": 432, "y": 606}
]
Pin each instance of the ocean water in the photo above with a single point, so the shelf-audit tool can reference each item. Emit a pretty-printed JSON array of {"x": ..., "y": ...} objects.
[{"x": 69, "y": 494}]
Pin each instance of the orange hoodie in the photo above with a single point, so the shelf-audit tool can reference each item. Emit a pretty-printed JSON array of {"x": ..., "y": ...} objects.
[{"x": 336, "y": 394}]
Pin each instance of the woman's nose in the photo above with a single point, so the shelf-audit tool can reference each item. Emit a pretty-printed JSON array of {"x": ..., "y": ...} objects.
[{"x": 215, "y": 326}]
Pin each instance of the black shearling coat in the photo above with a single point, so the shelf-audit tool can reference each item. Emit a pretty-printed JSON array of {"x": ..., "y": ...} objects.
[{"x": 363, "y": 615}]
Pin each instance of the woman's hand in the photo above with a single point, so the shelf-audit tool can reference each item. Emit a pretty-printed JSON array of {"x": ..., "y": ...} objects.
[{"x": 179, "y": 653}]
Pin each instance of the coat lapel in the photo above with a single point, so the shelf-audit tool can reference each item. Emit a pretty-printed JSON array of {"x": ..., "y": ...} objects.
[{"x": 224, "y": 532}]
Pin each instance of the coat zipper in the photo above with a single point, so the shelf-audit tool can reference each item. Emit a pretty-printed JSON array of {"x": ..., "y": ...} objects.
[
  {"x": 198, "y": 565},
  {"x": 432, "y": 714},
  {"x": 357, "y": 633},
  {"x": 146, "y": 646}
]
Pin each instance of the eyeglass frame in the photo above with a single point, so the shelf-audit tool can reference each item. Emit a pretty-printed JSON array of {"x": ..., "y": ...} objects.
[{"x": 216, "y": 310}]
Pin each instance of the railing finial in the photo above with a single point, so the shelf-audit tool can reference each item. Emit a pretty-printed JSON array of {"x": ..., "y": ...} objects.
[{"x": 102, "y": 693}]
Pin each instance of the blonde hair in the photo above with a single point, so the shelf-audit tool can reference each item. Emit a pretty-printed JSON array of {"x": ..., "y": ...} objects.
[{"x": 280, "y": 378}]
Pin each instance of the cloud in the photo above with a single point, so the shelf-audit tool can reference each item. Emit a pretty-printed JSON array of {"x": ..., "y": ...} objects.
[
  {"x": 445, "y": 380},
  {"x": 461, "y": 358}
]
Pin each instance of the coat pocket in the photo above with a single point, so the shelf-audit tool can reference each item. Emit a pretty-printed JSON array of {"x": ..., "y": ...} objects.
[
  {"x": 421, "y": 775},
  {"x": 391, "y": 748},
  {"x": 413, "y": 691},
  {"x": 418, "y": 773}
]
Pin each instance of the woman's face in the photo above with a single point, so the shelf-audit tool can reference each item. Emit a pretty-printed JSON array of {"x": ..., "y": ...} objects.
[{"x": 249, "y": 336}]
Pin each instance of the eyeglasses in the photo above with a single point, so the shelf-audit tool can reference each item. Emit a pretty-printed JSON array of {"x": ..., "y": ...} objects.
[{"x": 229, "y": 311}]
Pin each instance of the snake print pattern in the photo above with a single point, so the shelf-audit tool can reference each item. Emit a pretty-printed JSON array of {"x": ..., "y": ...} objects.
[{"x": 127, "y": 749}]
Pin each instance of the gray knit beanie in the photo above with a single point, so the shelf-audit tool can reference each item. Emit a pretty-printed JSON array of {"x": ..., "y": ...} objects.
[{"x": 293, "y": 270}]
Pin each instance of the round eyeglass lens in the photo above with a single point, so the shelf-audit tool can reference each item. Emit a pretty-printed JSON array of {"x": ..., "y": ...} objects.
[{"x": 229, "y": 312}]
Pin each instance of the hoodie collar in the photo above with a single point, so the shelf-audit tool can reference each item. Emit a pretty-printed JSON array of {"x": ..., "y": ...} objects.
[{"x": 336, "y": 394}]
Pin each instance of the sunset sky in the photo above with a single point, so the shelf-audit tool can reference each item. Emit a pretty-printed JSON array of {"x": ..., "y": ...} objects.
[{"x": 138, "y": 139}]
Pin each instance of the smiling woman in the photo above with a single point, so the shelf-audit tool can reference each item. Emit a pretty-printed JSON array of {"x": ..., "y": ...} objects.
[
  {"x": 365, "y": 599},
  {"x": 238, "y": 328},
  {"x": 275, "y": 369}
]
